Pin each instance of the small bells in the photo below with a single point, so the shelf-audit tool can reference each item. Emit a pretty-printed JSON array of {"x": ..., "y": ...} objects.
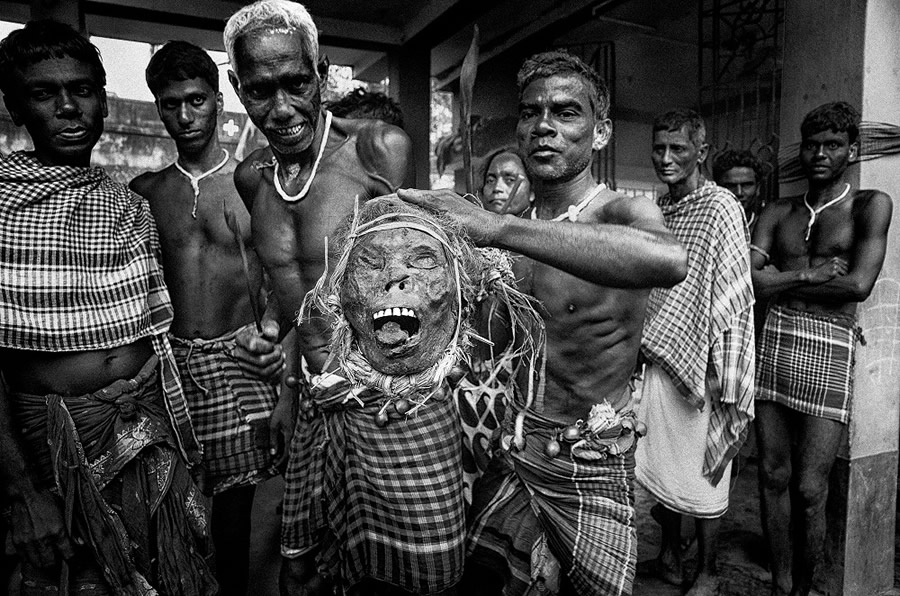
[
  {"x": 571, "y": 433},
  {"x": 381, "y": 418},
  {"x": 551, "y": 449},
  {"x": 400, "y": 406}
]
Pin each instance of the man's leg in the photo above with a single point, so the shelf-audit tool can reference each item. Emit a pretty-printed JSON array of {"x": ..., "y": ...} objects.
[
  {"x": 667, "y": 565},
  {"x": 300, "y": 577},
  {"x": 818, "y": 443},
  {"x": 231, "y": 537},
  {"x": 706, "y": 579},
  {"x": 773, "y": 439}
]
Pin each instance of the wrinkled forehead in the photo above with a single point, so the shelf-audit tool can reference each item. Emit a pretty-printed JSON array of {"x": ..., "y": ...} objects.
[
  {"x": 507, "y": 162},
  {"x": 271, "y": 45}
]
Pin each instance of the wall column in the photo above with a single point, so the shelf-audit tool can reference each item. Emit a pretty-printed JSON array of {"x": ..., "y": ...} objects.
[
  {"x": 850, "y": 51},
  {"x": 70, "y": 12},
  {"x": 410, "y": 84}
]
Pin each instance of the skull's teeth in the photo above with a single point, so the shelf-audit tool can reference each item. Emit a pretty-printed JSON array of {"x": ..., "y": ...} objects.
[{"x": 395, "y": 312}]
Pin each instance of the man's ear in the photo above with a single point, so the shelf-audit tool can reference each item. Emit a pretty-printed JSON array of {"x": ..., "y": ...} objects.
[
  {"x": 235, "y": 83},
  {"x": 220, "y": 103},
  {"x": 702, "y": 153},
  {"x": 854, "y": 151},
  {"x": 602, "y": 134},
  {"x": 103, "y": 105},
  {"x": 322, "y": 69}
]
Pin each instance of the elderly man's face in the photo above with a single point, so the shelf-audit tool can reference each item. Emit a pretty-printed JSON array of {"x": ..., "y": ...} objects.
[
  {"x": 674, "y": 155},
  {"x": 400, "y": 299},
  {"x": 62, "y": 105},
  {"x": 278, "y": 84}
]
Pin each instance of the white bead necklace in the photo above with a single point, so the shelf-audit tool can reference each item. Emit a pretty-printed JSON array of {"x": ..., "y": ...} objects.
[
  {"x": 813, "y": 213},
  {"x": 573, "y": 211},
  {"x": 294, "y": 198},
  {"x": 195, "y": 180}
]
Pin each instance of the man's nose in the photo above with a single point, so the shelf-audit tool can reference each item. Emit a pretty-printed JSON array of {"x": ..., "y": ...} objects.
[
  {"x": 185, "y": 115},
  {"x": 282, "y": 105},
  {"x": 544, "y": 125},
  {"x": 66, "y": 105},
  {"x": 397, "y": 277}
]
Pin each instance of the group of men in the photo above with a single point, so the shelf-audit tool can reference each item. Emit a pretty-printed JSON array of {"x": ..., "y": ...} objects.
[{"x": 144, "y": 360}]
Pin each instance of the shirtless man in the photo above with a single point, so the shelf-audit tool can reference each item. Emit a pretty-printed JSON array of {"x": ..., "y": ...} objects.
[
  {"x": 590, "y": 257},
  {"x": 827, "y": 247},
  {"x": 93, "y": 425},
  {"x": 230, "y": 409},
  {"x": 322, "y": 166}
]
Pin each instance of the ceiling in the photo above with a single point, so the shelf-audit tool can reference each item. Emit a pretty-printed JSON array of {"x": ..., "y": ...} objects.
[{"x": 353, "y": 32}]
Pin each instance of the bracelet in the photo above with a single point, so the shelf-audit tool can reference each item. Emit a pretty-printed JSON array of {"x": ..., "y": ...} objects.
[
  {"x": 473, "y": 199},
  {"x": 760, "y": 251}
]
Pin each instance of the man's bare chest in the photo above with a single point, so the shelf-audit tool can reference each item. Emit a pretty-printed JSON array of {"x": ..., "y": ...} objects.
[{"x": 830, "y": 232}]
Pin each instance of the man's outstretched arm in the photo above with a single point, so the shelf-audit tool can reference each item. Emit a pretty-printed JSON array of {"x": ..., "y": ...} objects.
[{"x": 638, "y": 253}]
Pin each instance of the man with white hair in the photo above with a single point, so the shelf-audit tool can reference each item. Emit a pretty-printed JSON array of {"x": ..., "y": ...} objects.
[{"x": 298, "y": 191}]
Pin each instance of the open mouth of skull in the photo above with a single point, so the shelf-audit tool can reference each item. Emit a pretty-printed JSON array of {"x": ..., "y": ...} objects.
[{"x": 395, "y": 326}]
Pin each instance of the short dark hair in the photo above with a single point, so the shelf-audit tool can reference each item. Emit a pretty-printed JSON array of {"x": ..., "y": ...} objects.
[
  {"x": 180, "y": 61},
  {"x": 837, "y": 116},
  {"x": 44, "y": 40},
  {"x": 673, "y": 120},
  {"x": 737, "y": 158},
  {"x": 361, "y": 103},
  {"x": 559, "y": 62}
]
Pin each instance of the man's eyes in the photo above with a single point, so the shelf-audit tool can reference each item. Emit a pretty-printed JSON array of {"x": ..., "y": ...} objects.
[{"x": 425, "y": 261}]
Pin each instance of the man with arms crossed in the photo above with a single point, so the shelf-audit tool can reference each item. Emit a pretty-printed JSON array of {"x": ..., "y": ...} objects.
[
  {"x": 697, "y": 394},
  {"x": 321, "y": 167},
  {"x": 827, "y": 247},
  {"x": 93, "y": 424},
  {"x": 590, "y": 257},
  {"x": 230, "y": 409}
]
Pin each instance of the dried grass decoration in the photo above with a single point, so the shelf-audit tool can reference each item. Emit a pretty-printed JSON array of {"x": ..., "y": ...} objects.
[{"x": 401, "y": 300}]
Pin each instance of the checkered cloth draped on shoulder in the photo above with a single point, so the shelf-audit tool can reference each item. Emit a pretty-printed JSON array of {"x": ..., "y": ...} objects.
[
  {"x": 377, "y": 502},
  {"x": 79, "y": 270},
  {"x": 700, "y": 332},
  {"x": 806, "y": 362}
]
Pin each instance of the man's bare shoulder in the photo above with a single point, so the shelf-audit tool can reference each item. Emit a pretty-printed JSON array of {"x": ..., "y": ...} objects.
[
  {"x": 873, "y": 207},
  {"x": 248, "y": 175},
  {"x": 626, "y": 210},
  {"x": 145, "y": 183},
  {"x": 382, "y": 148}
]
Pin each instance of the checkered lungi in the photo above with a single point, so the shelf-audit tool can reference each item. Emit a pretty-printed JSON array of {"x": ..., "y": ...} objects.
[
  {"x": 580, "y": 510},
  {"x": 805, "y": 361},
  {"x": 230, "y": 410},
  {"x": 384, "y": 503}
]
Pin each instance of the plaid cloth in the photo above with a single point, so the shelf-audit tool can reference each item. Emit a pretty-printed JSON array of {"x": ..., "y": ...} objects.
[
  {"x": 806, "y": 361},
  {"x": 377, "y": 502},
  {"x": 79, "y": 270},
  {"x": 127, "y": 495},
  {"x": 229, "y": 408},
  {"x": 583, "y": 507},
  {"x": 700, "y": 332}
]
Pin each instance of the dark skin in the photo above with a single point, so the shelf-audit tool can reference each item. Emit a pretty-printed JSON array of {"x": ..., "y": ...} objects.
[
  {"x": 830, "y": 273},
  {"x": 677, "y": 158},
  {"x": 204, "y": 274},
  {"x": 281, "y": 89},
  {"x": 592, "y": 276},
  {"x": 61, "y": 103}
]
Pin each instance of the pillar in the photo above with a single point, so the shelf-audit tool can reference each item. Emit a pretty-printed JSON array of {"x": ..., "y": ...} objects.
[
  {"x": 851, "y": 51},
  {"x": 70, "y": 12},
  {"x": 410, "y": 85}
]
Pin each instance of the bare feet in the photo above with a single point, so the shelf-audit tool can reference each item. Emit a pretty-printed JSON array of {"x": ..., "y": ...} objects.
[
  {"x": 669, "y": 573},
  {"x": 704, "y": 585}
]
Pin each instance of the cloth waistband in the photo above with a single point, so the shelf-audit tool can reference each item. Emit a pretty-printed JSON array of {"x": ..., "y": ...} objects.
[
  {"x": 215, "y": 344},
  {"x": 837, "y": 318}
]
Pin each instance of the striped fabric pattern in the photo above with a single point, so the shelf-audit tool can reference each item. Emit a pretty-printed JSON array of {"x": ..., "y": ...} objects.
[
  {"x": 79, "y": 270},
  {"x": 700, "y": 332},
  {"x": 806, "y": 362},
  {"x": 585, "y": 508},
  {"x": 377, "y": 502},
  {"x": 230, "y": 409}
]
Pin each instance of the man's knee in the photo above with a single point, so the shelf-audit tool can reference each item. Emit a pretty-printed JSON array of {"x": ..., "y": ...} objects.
[
  {"x": 812, "y": 489},
  {"x": 774, "y": 475},
  {"x": 300, "y": 577}
]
